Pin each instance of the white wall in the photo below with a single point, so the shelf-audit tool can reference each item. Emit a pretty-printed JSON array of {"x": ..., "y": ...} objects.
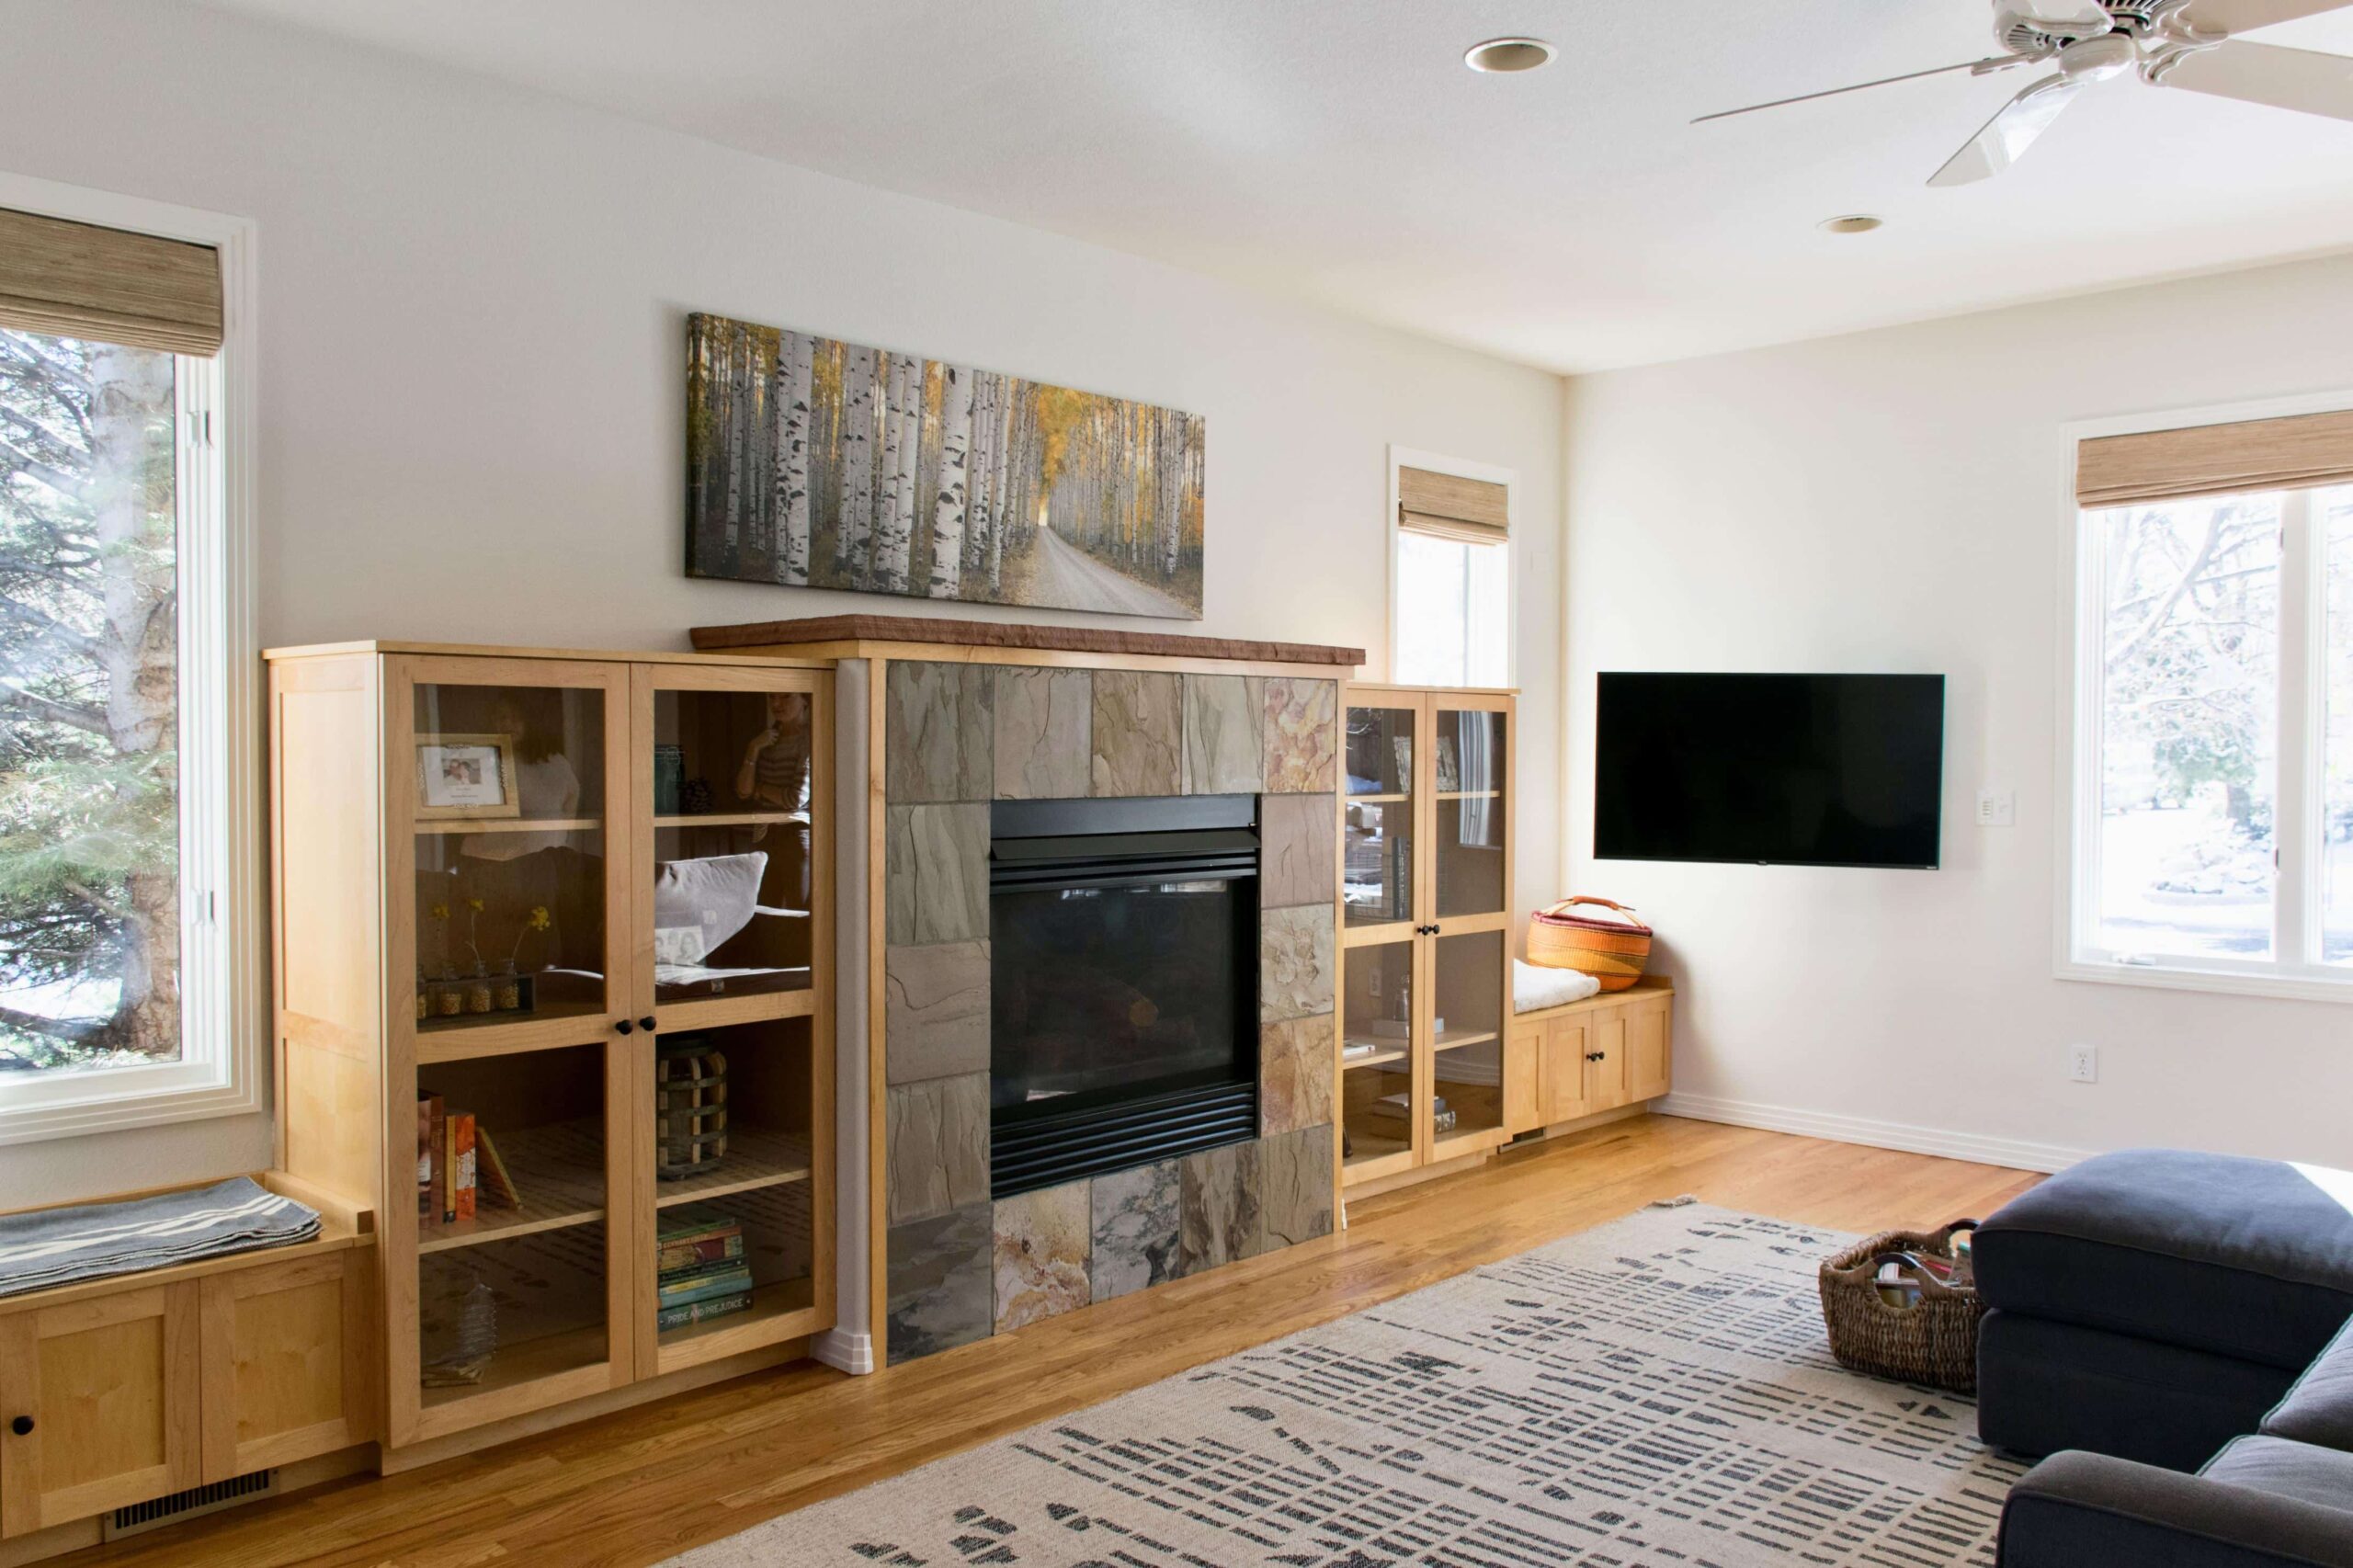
[
  {"x": 1890, "y": 501},
  {"x": 472, "y": 392}
]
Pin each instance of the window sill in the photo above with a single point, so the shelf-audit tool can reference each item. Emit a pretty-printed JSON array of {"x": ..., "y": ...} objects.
[
  {"x": 2227, "y": 982},
  {"x": 77, "y": 1105}
]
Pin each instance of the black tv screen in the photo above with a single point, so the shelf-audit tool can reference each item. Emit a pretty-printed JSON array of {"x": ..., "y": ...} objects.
[{"x": 1773, "y": 769}]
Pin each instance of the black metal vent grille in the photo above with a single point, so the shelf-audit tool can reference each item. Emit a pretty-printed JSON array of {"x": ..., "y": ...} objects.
[
  {"x": 157, "y": 1512},
  {"x": 1047, "y": 1150}
]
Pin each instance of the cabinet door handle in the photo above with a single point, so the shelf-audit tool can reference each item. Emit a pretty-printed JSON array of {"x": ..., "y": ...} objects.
[
  {"x": 1597, "y": 1056},
  {"x": 646, "y": 1023},
  {"x": 624, "y": 1027},
  {"x": 22, "y": 1425}
]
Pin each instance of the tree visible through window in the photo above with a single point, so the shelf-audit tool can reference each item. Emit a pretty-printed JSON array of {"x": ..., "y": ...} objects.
[{"x": 89, "y": 784}]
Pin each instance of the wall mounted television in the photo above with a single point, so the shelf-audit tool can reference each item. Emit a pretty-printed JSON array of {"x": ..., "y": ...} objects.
[{"x": 1770, "y": 769}]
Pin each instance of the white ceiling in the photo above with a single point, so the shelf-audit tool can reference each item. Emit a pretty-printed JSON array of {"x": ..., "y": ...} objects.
[{"x": 1337, "y": 150}]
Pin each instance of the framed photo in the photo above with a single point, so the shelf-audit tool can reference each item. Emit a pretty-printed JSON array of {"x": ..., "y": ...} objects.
[
  {"x": 1449, "y": 770},
  {"x": 466, "y": 775}
]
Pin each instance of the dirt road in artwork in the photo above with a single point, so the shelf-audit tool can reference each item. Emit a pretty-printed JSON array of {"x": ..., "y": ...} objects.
[{"x": 1064, "y": 576}]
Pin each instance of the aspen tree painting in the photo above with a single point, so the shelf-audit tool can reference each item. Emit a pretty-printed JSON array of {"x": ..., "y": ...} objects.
[{"x": 821, "y": 464}]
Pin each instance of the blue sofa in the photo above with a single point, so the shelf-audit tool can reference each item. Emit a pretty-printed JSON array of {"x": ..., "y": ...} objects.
[{"x": 2173, "y": 1329}]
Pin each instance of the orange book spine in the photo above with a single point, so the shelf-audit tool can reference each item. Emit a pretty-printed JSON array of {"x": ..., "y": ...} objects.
[{"x": 462, "y": 1167}]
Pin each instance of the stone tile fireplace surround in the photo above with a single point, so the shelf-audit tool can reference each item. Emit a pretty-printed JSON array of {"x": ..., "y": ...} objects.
[{"x": 960, "y": 1267}]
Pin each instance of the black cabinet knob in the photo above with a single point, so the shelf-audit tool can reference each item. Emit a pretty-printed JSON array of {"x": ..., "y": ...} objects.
[
  {"x": 646, "y": 1023},
  {"x": 625, "y": 1027},
  {"x": 22, "y": 1425}
]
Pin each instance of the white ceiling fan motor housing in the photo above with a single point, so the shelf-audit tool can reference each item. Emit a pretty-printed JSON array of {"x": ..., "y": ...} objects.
[{"x": 2098, "y": 58}]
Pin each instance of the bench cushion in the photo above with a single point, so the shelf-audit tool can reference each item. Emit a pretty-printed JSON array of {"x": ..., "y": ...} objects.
[
  {"x": 2309, "y": 1474},
  {"x": 2246, "y": 1258},
  {"x": 2319, "y": 1409}
]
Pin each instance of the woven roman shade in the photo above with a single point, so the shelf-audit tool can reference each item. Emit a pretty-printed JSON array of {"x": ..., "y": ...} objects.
[
  {"x": 107, "y": 285},
  {"x": 2291, "y": 453},
  {"x": 1473, "y": 510}
]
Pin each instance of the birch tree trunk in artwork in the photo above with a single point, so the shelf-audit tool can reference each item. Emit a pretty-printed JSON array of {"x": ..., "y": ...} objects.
[
  {"x": 739, "y": 439},
  {"x": 853, "y": 531},
  {"x": 795, "y": 391},
  {"x": 893, "y": 377},
  {"x": 955, "y": 474},
  {"x": 979, "y": 474},
  {"x": 902, "y": 526}
]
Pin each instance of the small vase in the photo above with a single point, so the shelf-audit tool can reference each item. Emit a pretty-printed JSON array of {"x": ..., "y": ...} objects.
[
  {"x": 509, "y": 987},
  {"x": 478, "y": 992},
  {"x": 448, "y": 998}
]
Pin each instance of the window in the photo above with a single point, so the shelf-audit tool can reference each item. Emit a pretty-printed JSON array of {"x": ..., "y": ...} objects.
[
  {"x": 1451, "y": 600},
  {"x": 128, "y": 943},
  {"x": 2213, "y": 764}
]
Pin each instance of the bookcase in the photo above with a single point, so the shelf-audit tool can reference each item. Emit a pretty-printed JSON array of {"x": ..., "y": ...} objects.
[
  {"x": 578, "y": 905},
  {"x": 1426, "y": 880}
]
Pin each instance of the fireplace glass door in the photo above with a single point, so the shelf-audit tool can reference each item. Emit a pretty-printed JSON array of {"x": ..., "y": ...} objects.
[{"x": 1124, "y": 994}]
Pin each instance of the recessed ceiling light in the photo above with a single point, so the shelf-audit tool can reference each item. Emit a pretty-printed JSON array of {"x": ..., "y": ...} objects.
[
  {"x": 1852, "y": 224},
  {"x": 1507, "y": 54}
]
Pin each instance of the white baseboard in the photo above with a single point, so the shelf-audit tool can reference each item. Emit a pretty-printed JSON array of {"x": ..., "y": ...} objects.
[
  {"x": 845, "y": 1352},
  {"x": 1937, "y": 1141}
]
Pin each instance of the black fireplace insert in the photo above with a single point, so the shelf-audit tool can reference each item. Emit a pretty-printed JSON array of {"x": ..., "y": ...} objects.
[{"x": 1123, "y": 960}]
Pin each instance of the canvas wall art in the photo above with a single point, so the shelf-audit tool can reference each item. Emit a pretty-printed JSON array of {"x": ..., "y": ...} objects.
[{"x": 819, "y": 463}]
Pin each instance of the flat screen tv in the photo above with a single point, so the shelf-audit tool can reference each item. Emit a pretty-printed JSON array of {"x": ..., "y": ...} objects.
[{"x": 1770, "y": 769}]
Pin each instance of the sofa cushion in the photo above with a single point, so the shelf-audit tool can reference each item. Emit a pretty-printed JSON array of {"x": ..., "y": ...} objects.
[
  {"x": 2301, "y": 1471},
  {"x": 2246, "y": 1258},
  {"x": 2319, "y": 1408},
  {"x": 2044, "y": 1386}
]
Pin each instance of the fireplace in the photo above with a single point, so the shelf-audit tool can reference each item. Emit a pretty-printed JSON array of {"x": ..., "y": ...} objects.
[{"x": 1123, "y": 967}]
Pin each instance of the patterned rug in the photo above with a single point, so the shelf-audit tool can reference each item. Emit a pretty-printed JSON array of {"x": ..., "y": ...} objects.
[{"x": 1653, "y": 1392}]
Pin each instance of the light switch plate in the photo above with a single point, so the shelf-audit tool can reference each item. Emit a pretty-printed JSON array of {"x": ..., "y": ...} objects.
[{"x": 1997, "y": 808}]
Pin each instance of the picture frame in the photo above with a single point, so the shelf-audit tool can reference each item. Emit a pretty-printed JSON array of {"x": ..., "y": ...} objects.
[
  {"x": 465, "y": 776},
  {"x": 1449, "y": 770}
]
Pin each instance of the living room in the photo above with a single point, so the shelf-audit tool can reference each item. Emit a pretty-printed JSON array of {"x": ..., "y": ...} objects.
[{"x": 1397, "y": 388}]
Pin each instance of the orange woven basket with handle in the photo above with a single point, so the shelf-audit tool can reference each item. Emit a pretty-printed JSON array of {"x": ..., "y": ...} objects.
[{"x": 1612, "y": 952}]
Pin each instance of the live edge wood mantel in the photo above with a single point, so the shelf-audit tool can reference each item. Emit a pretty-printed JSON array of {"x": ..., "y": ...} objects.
[{"x": 822, "y": 635}]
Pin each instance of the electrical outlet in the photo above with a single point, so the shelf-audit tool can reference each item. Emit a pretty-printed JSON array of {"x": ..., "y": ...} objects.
[
  {"x": 2083, "y": 1064},
  {"x": 1997, "y": 808}
]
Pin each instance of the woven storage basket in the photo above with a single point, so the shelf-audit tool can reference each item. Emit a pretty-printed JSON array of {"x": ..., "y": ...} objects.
[
  {"x": 1609, "y": 951},
  {"x": 1933, "y": 1342}
]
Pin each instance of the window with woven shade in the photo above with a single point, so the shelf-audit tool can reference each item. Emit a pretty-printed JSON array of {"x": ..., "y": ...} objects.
[
  {"x": 1451, "y": 577},
  {"x": 121, "y": 663},
  {"x": 2213, "y": 704}
]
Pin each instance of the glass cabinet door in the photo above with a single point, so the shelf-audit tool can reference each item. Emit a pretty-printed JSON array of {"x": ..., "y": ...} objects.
[
  {"x": 1467, "y": 1042},
  {"x": 509, "y": 777},
  {"x": 1381, "y": 1103},
  {"x": 734, "y": 765},
  {"x": 1382, "y": 795},
  {"x": 1472, "y": 769}
]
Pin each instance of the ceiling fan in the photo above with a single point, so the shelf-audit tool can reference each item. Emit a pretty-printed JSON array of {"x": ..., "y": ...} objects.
[{"x": 2168, "y": 43}]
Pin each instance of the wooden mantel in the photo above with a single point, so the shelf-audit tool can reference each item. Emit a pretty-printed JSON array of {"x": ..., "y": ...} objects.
[{"x": 827, "y": 634}]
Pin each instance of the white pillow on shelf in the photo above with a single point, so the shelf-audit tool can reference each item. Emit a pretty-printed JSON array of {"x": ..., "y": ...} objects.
[
  {"x": 698, "y": 905},
  {"x": 1535, "y": 987}
]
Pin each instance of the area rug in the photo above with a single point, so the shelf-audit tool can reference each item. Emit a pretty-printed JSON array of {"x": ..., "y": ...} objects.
[{"x": 1653, "y": 1392}]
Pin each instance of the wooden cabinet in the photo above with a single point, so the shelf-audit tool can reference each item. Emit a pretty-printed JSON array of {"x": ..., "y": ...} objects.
[
  {"x": 1600, "y": 1054},
  {"x": 1426, "y": 840},
  {"x": 121, "y": 1390},
  {"x": 584, "y": 877},
  {"x": 287, "y": 1356},
  {"x": 102, "y": 1405}
]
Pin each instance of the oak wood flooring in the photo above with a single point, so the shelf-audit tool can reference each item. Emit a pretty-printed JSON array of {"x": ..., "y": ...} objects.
[{"x": 631, "y": 1488}]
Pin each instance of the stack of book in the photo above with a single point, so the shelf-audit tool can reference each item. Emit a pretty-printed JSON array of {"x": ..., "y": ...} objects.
[
  {"x": 458, "y": 1167},
  {"x": 1387, "y": 1116},
  {"x": 700, "y": 1272}
]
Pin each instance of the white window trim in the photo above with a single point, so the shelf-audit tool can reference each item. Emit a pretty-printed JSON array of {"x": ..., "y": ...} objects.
[
  {"x": 225, "y": 1011},
  {"x": 1459, "y": 468},
  {"x": 2298, "y": 785}
]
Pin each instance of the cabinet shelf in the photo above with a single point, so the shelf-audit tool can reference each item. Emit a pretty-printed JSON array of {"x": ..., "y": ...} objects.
[
  {"x": 756, "y": 1158},
  {"x": 501, "y": 1034},
  {"x": 1384, "y": 800},
  {"x": 1448, "y": 1040},
  {"x": 729, "y": 819},
  {"x": 768, "y": 1302},
  {"x": 510, "y": 825},
  {"x": 560, "y": 1172},
  {"x": 1470, "y": 795},
  {"x": 526, "y": 1361},
  {"x": 1377, "y": 1058}
]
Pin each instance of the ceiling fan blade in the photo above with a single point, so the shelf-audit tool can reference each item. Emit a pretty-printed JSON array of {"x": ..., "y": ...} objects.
[
  {"x": 2245, "y": 15},
  {"x": 2008, "y": 134},
  {"x": 1997, "y": 63},
  {"x": 2265, "y": 74}
]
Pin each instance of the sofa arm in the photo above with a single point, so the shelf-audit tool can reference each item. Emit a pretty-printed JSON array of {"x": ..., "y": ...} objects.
[{"x": 2075, "y": 1509}]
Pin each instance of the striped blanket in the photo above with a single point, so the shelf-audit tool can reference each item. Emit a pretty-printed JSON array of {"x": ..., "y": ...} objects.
[{"x": 64, "y": 1246}]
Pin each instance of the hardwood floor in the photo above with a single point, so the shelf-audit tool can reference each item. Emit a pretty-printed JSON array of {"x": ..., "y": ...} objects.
[{"x": 634, "y": 1487}]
